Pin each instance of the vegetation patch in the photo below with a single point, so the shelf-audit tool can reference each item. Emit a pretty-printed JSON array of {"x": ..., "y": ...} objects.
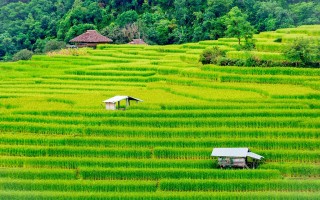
[{"x": 58, "y": 141}]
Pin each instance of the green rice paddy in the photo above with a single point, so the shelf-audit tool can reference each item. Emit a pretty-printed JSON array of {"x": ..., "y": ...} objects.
[{"x": 57, "y": 141}]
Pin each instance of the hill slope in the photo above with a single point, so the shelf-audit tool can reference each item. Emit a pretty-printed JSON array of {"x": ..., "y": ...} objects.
[
  {"x": 57, "y": 141},
  {"x": 31, "y": 24}
]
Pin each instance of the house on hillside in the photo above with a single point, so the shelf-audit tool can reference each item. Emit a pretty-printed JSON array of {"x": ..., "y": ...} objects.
[
  {"x": 91, "y": 38},
  {"x": 236, "y": 157},
  {"x": 114, "y": 102},
  {"x": 138, "y": 42}
]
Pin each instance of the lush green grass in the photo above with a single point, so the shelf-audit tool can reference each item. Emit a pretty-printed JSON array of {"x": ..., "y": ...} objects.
[{"x": 57, "y": 141}]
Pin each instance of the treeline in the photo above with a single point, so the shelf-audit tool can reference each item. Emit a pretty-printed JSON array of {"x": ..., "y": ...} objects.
[{"x": 30, "y": 24}]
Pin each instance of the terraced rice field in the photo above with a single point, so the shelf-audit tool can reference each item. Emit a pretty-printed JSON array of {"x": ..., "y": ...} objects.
[{"x": 58, "y": 142}]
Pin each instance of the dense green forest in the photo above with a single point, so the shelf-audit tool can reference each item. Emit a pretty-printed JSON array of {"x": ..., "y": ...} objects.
[{"x": 30, "y": 24}]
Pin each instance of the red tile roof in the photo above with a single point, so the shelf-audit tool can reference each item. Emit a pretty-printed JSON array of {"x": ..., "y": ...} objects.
[
  {"x": 91, "y": 36},
  {"x": 137, "y": 41}
]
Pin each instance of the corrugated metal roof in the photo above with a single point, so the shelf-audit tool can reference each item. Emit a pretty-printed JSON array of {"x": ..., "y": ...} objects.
[
  {"x": 234, "y": 152},
  {"x": 119, "y": 98},
  {"x": 254, "y": 155},
  {"x": 230, "y": 152}
]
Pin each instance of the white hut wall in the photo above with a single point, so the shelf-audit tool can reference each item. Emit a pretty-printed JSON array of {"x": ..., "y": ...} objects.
[
  {"x": 110, "y": 106},
  {"x": 231, "y": 162}
]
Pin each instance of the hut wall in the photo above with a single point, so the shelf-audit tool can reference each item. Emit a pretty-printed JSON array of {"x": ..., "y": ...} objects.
[
  {"x": 80, "y": 45},
  {"x": 110, "y": 106},
  {"x": 231, "y": 162}
]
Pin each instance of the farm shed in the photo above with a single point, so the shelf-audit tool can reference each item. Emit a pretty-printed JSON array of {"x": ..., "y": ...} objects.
[
  {"x": 91, "y": 38},
  {"x": 138, "y": 41},
  {"x": 111, "y": 104},
  {"x": 236, "y": 157}
]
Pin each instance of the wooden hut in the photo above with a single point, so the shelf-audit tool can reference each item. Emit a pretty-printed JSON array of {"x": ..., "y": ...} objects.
[
  {"x": 138, "y": 42},
  {"x": 236, "y": 157},
  {"x": 114, "y": 102},
  {"x": 91, "y": 38}
]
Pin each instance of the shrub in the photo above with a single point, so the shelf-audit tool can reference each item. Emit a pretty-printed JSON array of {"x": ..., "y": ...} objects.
[
  {"x": 252, "y": 61},
  {"x": 240, "y": 62},
  {"x": 24, "y": 54},
  {"x": 54, "y": 45},
  {"x": 205, "y": 57},
  {"x": 211, "y": 56},
  {"x": 302, "y": 52},
  {"x": 223, "y": 61}
]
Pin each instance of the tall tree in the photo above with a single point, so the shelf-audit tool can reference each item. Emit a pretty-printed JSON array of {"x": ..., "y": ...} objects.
[
  {"x": 271, "y": 16},
  {"x": 306, "y": 13},
  {"x": 213, "y": 24},
  {"x": 80, "y": 15},
  {"x": 237, "y": 25}
]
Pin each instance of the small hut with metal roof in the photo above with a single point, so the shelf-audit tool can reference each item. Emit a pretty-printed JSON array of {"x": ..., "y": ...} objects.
[
  {"x": 236, "y": 157},
  {"x": 114, "y": 102},
  {"x": 91, "y": 38},
  {"x": 138, "y": 41}
]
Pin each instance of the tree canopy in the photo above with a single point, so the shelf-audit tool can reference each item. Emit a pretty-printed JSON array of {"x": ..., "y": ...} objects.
[
  {"x": 30, "y": 24},
  {"x": 237, "y": 25}
]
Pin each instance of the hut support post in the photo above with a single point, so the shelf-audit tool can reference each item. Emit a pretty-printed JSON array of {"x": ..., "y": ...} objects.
[
  {"x": 127, "y": 102},
  {"x": 118, "y": 104}
]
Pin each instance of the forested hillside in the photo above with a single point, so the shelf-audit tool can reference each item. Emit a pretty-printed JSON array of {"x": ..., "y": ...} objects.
[{"x": 29, "y": 24}]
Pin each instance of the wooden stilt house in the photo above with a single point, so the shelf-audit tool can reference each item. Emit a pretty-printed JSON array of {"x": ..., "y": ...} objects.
[
  {"x": 236, "y": 157},
  {"x": 114, "y": 102}
]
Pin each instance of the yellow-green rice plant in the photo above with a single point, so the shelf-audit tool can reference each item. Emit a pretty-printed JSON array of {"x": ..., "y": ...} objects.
[
  {"x": 36, "y": 151},
  {"x": 32, "y": 173},
  {"x": 263, "y": 79},
  {"x": 270, "y": 35},
  {"x": 204, "y": 142},
  {"x": 294, "y": 169},
  {"x": 115, "y": 46},
  {"x": 270, "y": 47},
  {"x": 160, "y": 173},
  {"x": 159, "y": 195},
  {"x": 270, "y": 155},
  {"x": 77, "y": 185},
  {"x": 207, "y": 42},
  {"x": 289, "y": 38},
  {"x": 111, "y": 73},
  {"x": 106, "y": 78},
  {"x": 193, "y": 46},
  {"x": 188, "y": 113},
  {"x": 304, "y": 156},
  {"x": 265, "y": 71},
  {"x": 172, "y": 122},
  {"x": 182, "y": 153},
  {"x": 74, "y": 163},
  {"x": 228, "y": 39},
  {"x": 168, "y": 132},
  {"x": 240, "y": 185},
  {"x": 260, "y": 55}
]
